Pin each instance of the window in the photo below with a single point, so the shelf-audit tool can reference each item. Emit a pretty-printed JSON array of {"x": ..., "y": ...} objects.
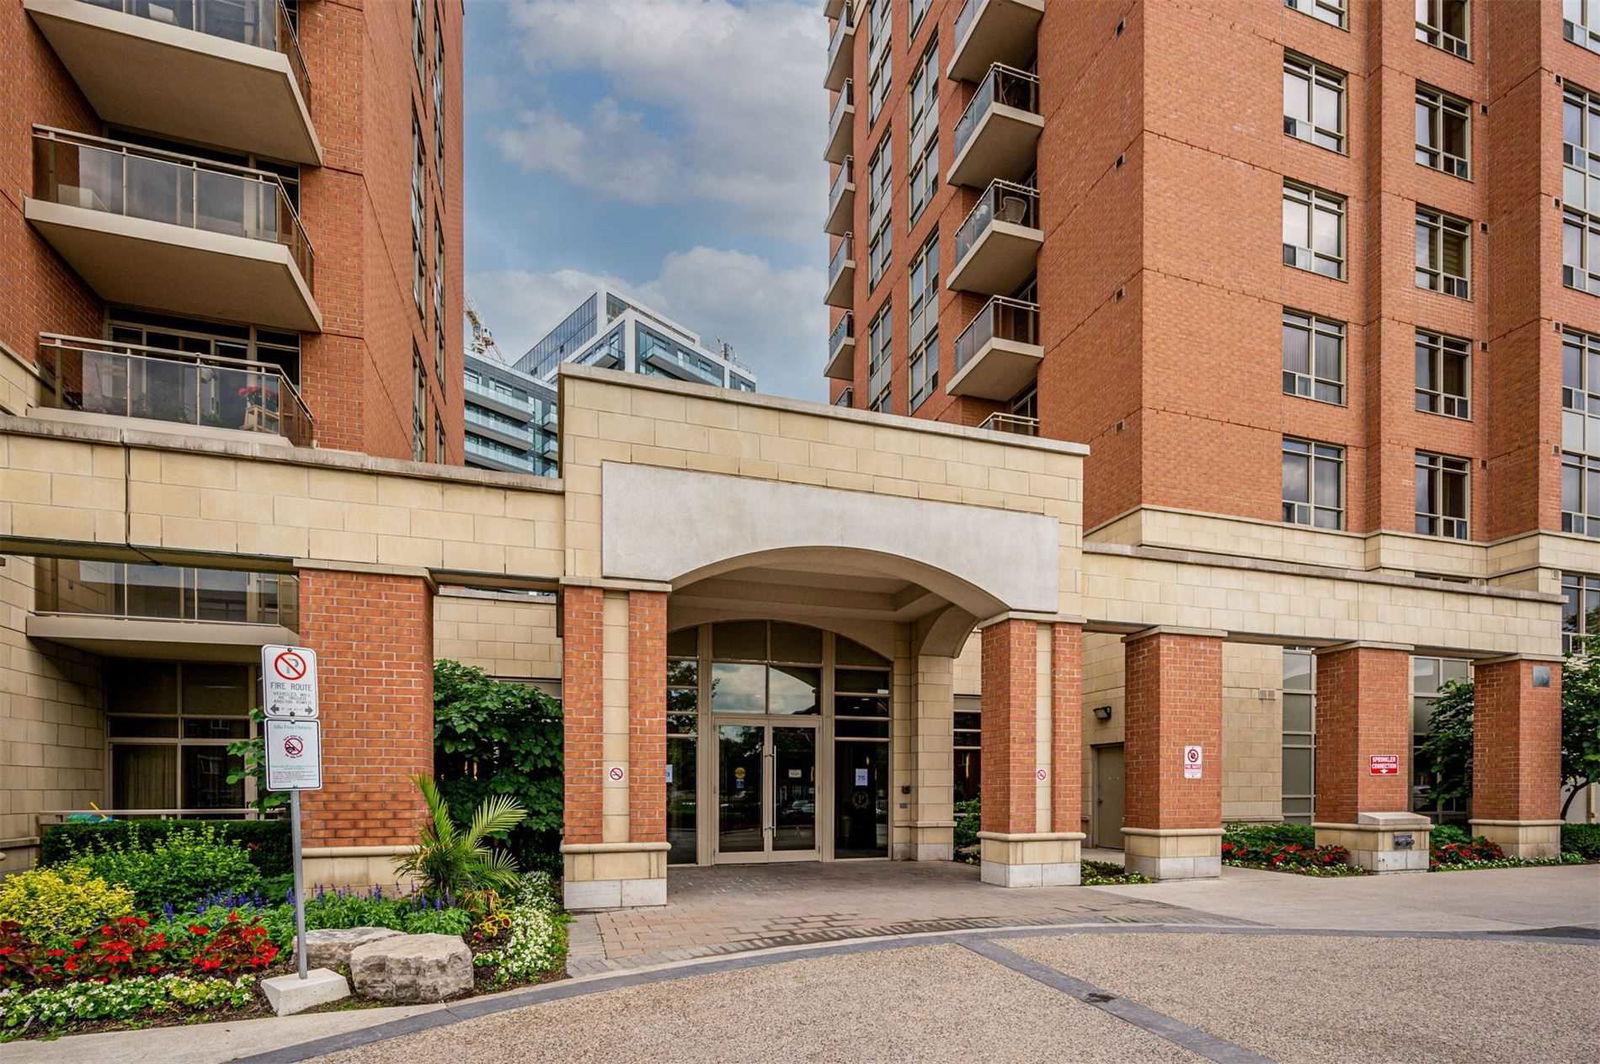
[
  {"x": 439, "y": 329},
  {"x": 419, "y": 38},
  {"x": 439, "y": 454},
  {"x": 1443, "y": 131},
  {"x": 1444, "y": 252},
  {"x": 879, "y": 61},
  {"x": 438, "y": 99},
  {"x": 1313, "y": 102},
  {"x": 1444, "y": 374},
  {"x": 1313, "y": 484},
  {"x": 924, "y": 175},
  {"x": 1313, "y": 230},
  {"x": 1441, "y": 495},
  {"x": 969, "y": 747},
  {"x": 683, "y": 724},
  {"x": 200, "y": 337},
  {"x": 878, "y": 27},
  {"x": 919, "y": 8},
  {"x": 880, "y": 356},
  {"x": 1443, "y": 24},
  {"x": 419, "y": 407},
  {"x": 1577, "y": 19},
  {"x": 1299, "y": 790},
  {"x": 1580, "y": 494},
  {"x": 419, "y": 210},
  {"x": 1428, "y": 677},
  {"x": 1027, "y": 403},
  {"x": 880, "y": 198},
  {"x": 1580, "y": 615},
  {"x": 923, "y": 332},
  {"x": 169, "y": 726},
  {"x": 1580, "y": 392},
  {"x": 1580, "y": 251},
  {"x": 1313, "y": 357},
  {"x": 1329, "y": 11},
  {"x": 1580, "y": 149}
]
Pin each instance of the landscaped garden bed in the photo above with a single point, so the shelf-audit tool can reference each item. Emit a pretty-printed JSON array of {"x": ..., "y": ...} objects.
[{"x": 1284, "y": 848}]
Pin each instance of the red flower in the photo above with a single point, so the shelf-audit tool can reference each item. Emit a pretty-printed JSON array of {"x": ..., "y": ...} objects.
[
  {"x": 71, "y": 964},
  {"x": 198, "y": 929},
  {"x": 79, "y": 943}
]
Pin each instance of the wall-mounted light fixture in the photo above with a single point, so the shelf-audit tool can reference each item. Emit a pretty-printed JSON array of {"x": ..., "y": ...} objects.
[{"x": 1102, "y": 713}]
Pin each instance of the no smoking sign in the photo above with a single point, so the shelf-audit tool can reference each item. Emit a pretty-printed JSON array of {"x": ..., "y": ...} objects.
[{"x": 294, "y": 755}]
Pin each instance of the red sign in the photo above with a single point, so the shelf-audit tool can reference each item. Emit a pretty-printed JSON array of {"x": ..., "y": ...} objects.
[
  {"x": 294, "y": 746},
  {"x": 289, "y": 665},
  {"x": 1384, "y": 765}
]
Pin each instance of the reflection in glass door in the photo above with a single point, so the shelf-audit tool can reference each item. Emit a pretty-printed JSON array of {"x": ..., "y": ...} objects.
[
  {"x": 861, "y": 799},
  {"x": 794, "y": 788},
  {"x": 740, "y": 823}
]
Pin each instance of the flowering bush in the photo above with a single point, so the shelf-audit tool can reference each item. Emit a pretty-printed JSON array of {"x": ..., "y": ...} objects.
[
  {"x": 1289, "y": 857},
  {"x": 1110, "y": 874},
  {"x": 536, "y": 934},
  {"x": 63, "y": 901},
  {"x": 177, "y": 869},
  {"x": 51, "y": 1008},
  {"x": 131, "y": 946},
  {"x": 1472, "y": 851}
]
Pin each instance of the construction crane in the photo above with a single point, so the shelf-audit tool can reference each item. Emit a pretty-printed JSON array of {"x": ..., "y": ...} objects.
[{"x": 483, "y": 345}]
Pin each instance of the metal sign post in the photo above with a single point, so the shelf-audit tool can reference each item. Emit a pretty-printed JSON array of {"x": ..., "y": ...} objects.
[{"x": 294, "y": 752}]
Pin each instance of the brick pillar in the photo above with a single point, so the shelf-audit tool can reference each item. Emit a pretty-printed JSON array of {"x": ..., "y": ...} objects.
[
  {"x": 373, "y": 634},
  {"x": 614, "y": 675},
  {"x": 1363, "y": 780},
  {"x": 1516, "y": 754},
  {"x": 1173, "y": 821},
  {"x": 1028, "y": 671}
]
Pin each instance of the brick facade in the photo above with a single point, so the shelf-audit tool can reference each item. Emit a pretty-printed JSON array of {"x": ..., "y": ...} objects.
[
  {"x": 582, "y": 711},
  {"x": 1174, "y": 699},
  {"x": 373, "y": 635},
  {"x": 1008, "y": 752},
  {"x": 1066, "y": 725},
  {"x": 1516, "y": 741},
  {"x": 1363, "y": 709},
  {"x": 647, "y": 716}
]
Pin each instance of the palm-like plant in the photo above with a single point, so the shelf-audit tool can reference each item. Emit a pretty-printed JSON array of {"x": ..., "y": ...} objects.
[{"x": 451, "y": 861}]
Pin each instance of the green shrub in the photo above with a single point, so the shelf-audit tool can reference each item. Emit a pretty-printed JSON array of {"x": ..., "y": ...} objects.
[
  {"x": 178, "y": 869},
  {"x": 1110, "y": 874},
  {"x": 61, "y": 902},
  {"x": 330, "y": 910},
  {"x": 1581, "y": 839},
  {"x": 1449, "y": 835},
  {"x": 969, "y": 816},
  {"x": 451, "y": 861},
  {"x": 265, "y": 841},
  {"x": 1257, "y": 835}
]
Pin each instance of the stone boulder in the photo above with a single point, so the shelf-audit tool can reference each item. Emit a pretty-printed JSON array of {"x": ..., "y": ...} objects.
[
  {"x": 332, "y": 949},
  {"x": 410, "y": 969}
]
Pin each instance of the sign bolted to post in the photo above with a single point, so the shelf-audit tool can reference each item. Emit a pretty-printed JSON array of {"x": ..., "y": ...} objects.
[{"x": 294, "y": 751}]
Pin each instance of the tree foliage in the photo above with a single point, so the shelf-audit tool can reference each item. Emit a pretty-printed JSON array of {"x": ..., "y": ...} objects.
[
  {"x": 494, "y": 738},
  {"x": 1445, "y": 753}
]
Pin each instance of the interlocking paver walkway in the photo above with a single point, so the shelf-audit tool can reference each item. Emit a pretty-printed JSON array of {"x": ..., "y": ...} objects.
[{"x": 730, "y": 909}]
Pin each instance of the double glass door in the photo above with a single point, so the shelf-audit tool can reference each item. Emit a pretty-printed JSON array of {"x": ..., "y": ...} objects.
[{"x": 766, "y": 792}]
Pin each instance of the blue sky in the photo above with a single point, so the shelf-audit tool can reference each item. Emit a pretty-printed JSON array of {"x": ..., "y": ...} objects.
[{"x": 670, "y": 147}]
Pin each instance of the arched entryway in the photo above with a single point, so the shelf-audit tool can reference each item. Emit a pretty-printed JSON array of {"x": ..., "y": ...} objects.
[{"x": 778, "y": 744}]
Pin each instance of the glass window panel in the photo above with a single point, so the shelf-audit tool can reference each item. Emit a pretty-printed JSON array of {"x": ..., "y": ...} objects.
[
  {"x": 739, "y": 785},
  {"x": 1296, "y": 349},
  {"x": 684, "y": 643},
  {"x": 861, "y": 800},
  {"x": 1296, "y": 223},
  {"x": 1326, "y": 235},
  {"x": 858, "y": 681},
  {"x": 205, "y": 779},
  {"x": 216, "y": 690},
  {"x": 141, "y": 687},
  {"x": 849, "y": 652},
  {"x": 1425, "y": 675},
  {"x": 861, "y": 729},
  {"x": 794, "y": 789},
  {"x": 739, "y": 641},
  {"x": 683, "y": 700},
  {"x": 1328, "y": 360},
  {"x": 794, "y": 689},
  {"x": 796, "y": 642},
  {"x": 1296, "y": 671},
  {"x": 968, "y": 721},
  {"x": 216, "y": 728},
  {"x": 144, "y": 777},
  {"x": 142, "y": 727},
  {"x": 1454, "y": 669},
  {"x": 738, "y": 688},
  {"x": 1296, "y": 481},
  {"x": 681, "y": 673},
  {"x": 1297, "y": 771},
  {"x": 1297, "y": 714},
  {"x": 860, "y": 706},
  {"x": 682, "y": 804}
]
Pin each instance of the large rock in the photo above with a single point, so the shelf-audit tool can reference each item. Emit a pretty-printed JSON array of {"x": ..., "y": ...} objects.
[
  {"x": 412, "y": 968},
  {"x": 332, "y": 949}
]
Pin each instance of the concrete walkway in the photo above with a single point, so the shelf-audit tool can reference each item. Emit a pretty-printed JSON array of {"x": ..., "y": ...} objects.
[{"x": 815, "y": 925}]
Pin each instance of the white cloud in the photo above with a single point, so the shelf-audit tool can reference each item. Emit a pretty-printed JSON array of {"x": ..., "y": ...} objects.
[
  {"x": 739, "y": 85},
  {"x": 770, "y": 316}
]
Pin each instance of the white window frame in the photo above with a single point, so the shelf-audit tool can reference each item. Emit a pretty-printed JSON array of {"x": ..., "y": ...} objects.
[
  {"x": 1302, "y": 77},
  {"x": 1433, "y": 107},
  {"x": 1436, "y": 347},
  {"x": 1436, "y": 468},
  {"x": 923, "y": 331},
  {"x": 1430, "y": 27},
  {"x": 1434, "y": 225},
  {"x": 1310, "y": 384},
  {"x": 1307, "y": 511},
  {"x": 1303, "y": 255},
  {"x": 1330, "y": 11}
]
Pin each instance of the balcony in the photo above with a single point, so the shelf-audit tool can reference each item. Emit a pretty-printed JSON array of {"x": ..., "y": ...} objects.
[
  {"x": 842, "y": 349},
  {"x": 841, "y": 49},
  {"x": 124, "y": 609},
  {"x": 994, "y": 31},
  {"x": 847, "y": 398},
  {"x": 172, "y": 232},
  {"x": 220, "y": 72},
  {"x": 96, "y": 377},
  {"x": 998, "y": 244},
  {"x": 842, "y": 125},
  {"x": 842, "y": 275},
  {"x": 1015, "y": 424},
  {"x": 998, "y": 353},
  {"x": 998, "y": 134},
  {"x": 842, "y": 200},
  {"x": 832, "y": 8}
]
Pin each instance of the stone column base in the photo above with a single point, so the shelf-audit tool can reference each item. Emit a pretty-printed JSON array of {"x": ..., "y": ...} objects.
[
  {"x": 1527, "y": 839},
  {"x": 614, "y": 875},
  {"x": 354, "y": 866},
  {"x": 1382, "y": 842},
  {"x": 1035, "y": 859},
  {"x": 1173, "y": 853},
  {"x": 926, "y": 840}
]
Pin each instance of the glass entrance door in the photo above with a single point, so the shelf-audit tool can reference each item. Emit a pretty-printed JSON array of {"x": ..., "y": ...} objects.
[{"x": 766, "y": 792}]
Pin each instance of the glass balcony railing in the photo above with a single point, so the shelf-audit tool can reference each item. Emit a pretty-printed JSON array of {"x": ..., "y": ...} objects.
[
  {"x": 964, "y": 17},
  {"x": 846, "y": 176},
  {"x": 845, "y": 252},
  {"x": 129, "y": 380},
  {"x": 847, "y": 99},
  {"x": 845, "y": 330},
  {"x": 262, "y": 23},
  {"x": 1015, "y": 424},
  {"x": 166, "y": 592},
  {"x": 1002, "y": 201},
  {"x": 1000, "y": 319},
  {"x": 160, "y": 186},
  {"x": 844, "y": 27},
  {"x": 1002, "y": 85}
]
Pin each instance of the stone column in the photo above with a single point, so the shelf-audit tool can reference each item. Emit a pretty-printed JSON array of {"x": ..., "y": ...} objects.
[
  {"x": 373, "y": 634},
  {"x": 614, "y": 667},
  {"x": 1363, "y": 763},
  {"x": 932, "y": 834},
  {"x": 1516, "y": 754},
  {"x": 1024, "y": 844},
  {"x": 1172, "y": 812}
]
